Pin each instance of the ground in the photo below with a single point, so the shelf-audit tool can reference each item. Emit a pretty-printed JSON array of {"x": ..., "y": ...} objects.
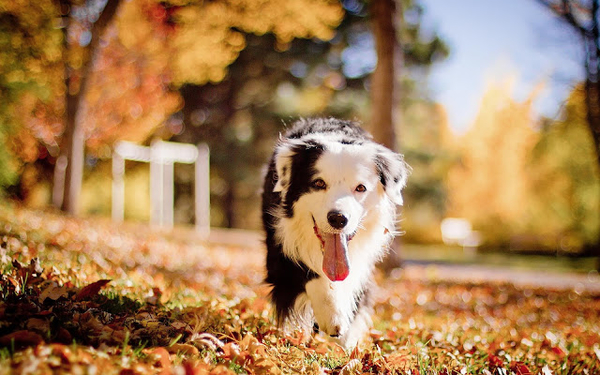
[{"x": 83, "y": 296}]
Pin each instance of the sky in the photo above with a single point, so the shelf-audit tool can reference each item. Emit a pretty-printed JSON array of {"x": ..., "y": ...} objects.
[{"x": 496, "y": 41}]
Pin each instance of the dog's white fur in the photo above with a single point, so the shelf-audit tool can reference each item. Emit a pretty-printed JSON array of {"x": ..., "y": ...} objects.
[{"x": 371, "y": 216}]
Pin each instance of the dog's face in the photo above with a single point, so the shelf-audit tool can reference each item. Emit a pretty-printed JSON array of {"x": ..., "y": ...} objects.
[{"x": 331, "y": 187}]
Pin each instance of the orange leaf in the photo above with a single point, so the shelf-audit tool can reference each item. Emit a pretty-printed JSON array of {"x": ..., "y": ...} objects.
[
  {"x": 54, "y": 292},
  {"x": 221, "y": 370},
  {"x": 355, "y": 353},
  {"x": 91, "y": 290},
  {"x": 398, "y": 361},
  {"x": 21, "y": 338},
  {"x": 231, "y": 350},
  {"x": 494, "y": 361},
  {"x": 199, "y": 368},
  {"x": 558, "y": 351},
  {"x": 12, "y": 281},
  {"x": 186, "y": 349},
  {"x": 520, "y": 368},
  {"x": 163, "y": 358},
  {"x": 322, "y": 349}
]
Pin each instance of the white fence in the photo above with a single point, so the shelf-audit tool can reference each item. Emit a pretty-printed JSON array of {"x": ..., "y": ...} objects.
[{"x": 161, "y": 156}]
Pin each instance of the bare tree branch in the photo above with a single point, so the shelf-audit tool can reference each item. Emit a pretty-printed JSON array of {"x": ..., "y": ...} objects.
[{"x": 565, "y": 13}]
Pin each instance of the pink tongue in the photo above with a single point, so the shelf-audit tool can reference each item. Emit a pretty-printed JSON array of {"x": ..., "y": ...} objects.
[{"x": 335, "y": 256}]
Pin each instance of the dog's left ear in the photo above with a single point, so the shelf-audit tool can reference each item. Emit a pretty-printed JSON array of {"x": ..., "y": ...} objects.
[
  {"x": 393, "y": 172},
  {"x": 283, "y": 166}
]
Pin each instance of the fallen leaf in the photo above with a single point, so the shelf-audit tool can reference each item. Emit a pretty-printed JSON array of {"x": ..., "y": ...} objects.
[
  {"x": 231, "y": 350},
  {"x": 519, "y": 368},
  {"x": 267, "y": 367},
  {"x": 54, "y": 292},
  {"x": 354, "y": 366},
  {"x": 14, "y": 282},
  {"x": 38, "y": 325},
  {"x": 494, "y": 361},
  {"x": 91, "y": 290},
  {"x": 222, "y": 370},
  {"x": 163, "y": 358},
  {"x": 21, "y": 338},
  {"x": 199, "y": 368},
  {"x": 398, "y": 361},
  {"x": 185, "y": 349}
]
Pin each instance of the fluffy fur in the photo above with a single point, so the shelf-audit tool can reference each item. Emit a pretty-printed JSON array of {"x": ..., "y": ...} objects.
[{"x": 329, "y": 207}]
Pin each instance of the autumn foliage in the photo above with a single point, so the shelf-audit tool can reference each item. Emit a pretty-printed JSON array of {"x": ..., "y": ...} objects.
[
  {"x": 83, "y": 294},
  {"x": 527, "y": 183},
  {"x": 63, "y": 76}
]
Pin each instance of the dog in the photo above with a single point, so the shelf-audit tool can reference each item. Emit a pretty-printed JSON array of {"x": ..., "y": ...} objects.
[{"x": 329, "y": 211}]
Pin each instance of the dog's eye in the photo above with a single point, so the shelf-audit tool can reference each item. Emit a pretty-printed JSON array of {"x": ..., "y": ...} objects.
[
  {"x": 360, "y": 188},
  {"x": 319, "y": 184}
]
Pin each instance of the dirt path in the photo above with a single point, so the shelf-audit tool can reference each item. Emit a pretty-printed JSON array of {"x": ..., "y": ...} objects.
[{"x": 480, "y": 273}]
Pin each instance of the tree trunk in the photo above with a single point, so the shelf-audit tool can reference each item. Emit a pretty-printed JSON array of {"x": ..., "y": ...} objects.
[
  {"x": 383, "y": 79},
  {"x": 383, "y": 90},
  {"x": 592, "y": 96},
  {"x": 73, "y": 152},
  {"x": 73, "y": 143},
  {"x": 592, "y": 100}
]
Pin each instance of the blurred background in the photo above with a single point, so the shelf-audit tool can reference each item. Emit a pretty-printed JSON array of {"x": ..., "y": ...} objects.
[{"x": 496, "y": 106}]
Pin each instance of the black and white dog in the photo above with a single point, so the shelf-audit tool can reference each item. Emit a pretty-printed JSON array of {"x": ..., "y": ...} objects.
[{"x": 329, "y": 209}]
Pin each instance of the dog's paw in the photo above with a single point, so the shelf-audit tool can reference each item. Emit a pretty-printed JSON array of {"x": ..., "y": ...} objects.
[
  {"x": 335, "y": 331},
  {"x": 333, "y": 326},
  {"x": 332, "y": 309}
]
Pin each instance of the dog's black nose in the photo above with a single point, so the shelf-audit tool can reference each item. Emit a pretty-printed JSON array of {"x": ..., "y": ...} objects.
[{"x": 336, "y": 219}]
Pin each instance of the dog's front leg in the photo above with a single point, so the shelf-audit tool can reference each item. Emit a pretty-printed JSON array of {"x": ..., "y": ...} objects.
[{"x": 329, "y": 306}]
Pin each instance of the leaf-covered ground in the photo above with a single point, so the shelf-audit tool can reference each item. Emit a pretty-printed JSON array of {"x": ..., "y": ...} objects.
[{"x": 89, "y": 296}]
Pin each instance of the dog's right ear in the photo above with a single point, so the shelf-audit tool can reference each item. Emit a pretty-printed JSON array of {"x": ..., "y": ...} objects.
[
  {"x": 283, "y": 166},
  {"x": 393, "y": 172}
]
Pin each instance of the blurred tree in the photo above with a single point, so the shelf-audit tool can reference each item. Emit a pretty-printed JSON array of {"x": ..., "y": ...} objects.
[
  {"x": 566, "y": 180},
  {"x": 400, "y": 42},
  {"x": 131, "y": 93},
  {"x": 83, "y": 26},
  {"x": 490, "y": 186},
  {"x": 29, "y": 49},
  {"x": 582, "y": 17},
  {"x": 390, "y": 33},
  {"x": 181, "y": 41},
  {"x": 196, "y": 41},
  {"x": 153, "y": 47},
  {"x": 422, "y": 126},
  {"x": 524, "y": 188},
  {"x": 239, "y": 116},
  {"x": 426, "y": 143}
]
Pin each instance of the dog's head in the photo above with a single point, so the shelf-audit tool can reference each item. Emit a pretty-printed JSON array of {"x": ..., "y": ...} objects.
[{"x": 332, "y": 186}]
